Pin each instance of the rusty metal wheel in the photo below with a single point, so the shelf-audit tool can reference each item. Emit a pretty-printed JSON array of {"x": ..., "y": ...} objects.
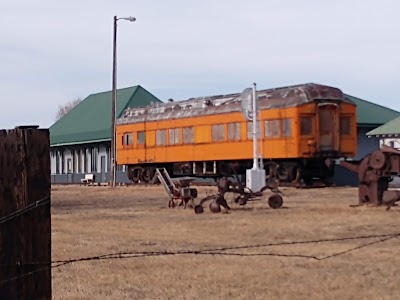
[
  {"x": 171, "y": 204},
  {"x": 377, "y": 160},
  {"x": 198, "y": 209},
  {"x": 243, "y": 199},
  {"x": 215, "y": 207},
  {"x": 275, "y": 201}
]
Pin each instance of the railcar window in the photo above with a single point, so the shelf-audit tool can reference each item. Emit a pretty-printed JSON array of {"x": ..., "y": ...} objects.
[
  {"x": 345, "y": 125},
  {"x": 188, "y": 135},
  {"x": 272, "y": 128},
  {"x": 127, "y": 139},
  {"x": 218, "y": 132},
  {"x": 306, "y": 126},
  {"x": 141, "y": 138},
  {"x": 234, "y": 131},
  {"x": 161, "y": 137},
  {"x": 250, "y": 130},
  {"x": 174, "y": 136},
  {"x": 286, "y": 127}
]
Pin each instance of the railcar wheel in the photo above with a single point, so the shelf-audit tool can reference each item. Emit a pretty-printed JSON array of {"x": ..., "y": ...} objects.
[
  {"x": 215, "y": 207},
  {"x": 198, "y": 209},
  {"x": 146, "y": 175},
  {"x": 275, "y": 201},
  {"x": 136, "y": 174},
  {"x": 283, "y": 173}
]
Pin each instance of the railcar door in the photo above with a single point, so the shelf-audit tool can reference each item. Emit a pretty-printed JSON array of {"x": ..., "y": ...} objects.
[{"x": 328, "y": 127}]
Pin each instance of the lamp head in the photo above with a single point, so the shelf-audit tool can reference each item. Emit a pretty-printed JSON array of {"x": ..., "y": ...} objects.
[{"x": 130, "y": 19}]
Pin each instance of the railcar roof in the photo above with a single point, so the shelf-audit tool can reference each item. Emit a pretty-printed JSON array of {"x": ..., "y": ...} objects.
[{"x": 283, "y": 97}]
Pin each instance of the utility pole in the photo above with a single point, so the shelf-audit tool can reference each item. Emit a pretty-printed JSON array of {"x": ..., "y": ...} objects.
[{"x": 114, "y": 100}]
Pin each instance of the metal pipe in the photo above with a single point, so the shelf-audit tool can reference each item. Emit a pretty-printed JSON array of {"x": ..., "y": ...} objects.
[{"x": 254, "y": 113}]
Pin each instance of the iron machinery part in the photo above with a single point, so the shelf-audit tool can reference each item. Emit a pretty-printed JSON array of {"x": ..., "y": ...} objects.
[
  {"x": 390, "y": 198},
  {"x": 198, "y": 209},
  {"x": 377, "y": 160},
  {"x": 222, "y": 202},
  {"x": 171, "y": 204},
  {"x": 243, "y": 199},
  {"x": 275, "y": 201},
  {"x": 193, "y": 192},
  {"x": 375, "y": 171},
  {"x": 215, "y": 207}
]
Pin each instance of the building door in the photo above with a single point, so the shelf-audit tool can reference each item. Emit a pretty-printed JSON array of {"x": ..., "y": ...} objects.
[
  {"x": 69, "y": 171},
  {"x": 327, "y": 115},
  {"x": 103, "y": 168}
]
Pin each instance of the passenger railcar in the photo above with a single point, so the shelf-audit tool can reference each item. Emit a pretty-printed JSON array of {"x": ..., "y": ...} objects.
[{"x": 302, "y": 130}]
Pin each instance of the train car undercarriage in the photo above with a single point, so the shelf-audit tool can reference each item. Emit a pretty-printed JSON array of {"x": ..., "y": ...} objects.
[{"x": 294, "y": 172}]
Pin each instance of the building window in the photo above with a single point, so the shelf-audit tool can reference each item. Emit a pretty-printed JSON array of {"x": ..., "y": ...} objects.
[
  {"x": 127, "y": 138},
  {"x": 250, "y": 130},
  {"x": 94, "y": 159},
  {"x": 306, "y": 126},
  {"x": 234, "y": 131},
  {"x": 188, "y": 135},
  {"x": 79, "y": 158},
  {"x": 286, "y": 127},
  {"x": 272, "y": 129},
  {"x": 57, "y": 162},
  {"x": 141, "y": 138},
  {"x": 161, "y": 137},
  {"x": 174, "y": 136},
  {"x": 62, "y": 163},
  {"x": 69, "y": 165},
  {"x": 218, "y": 132},
  {"x": 85, "y": 161},
  {"x": 345, "y": 125}
]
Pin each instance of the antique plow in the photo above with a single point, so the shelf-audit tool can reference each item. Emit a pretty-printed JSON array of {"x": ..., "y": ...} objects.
[{"x": 243, "y": 195}]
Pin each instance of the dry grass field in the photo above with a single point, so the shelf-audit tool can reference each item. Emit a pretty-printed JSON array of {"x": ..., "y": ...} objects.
[{"x": 92, "y": 221}]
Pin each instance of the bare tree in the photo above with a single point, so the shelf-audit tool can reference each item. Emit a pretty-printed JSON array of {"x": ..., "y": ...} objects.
[{"x": 64, "y": 109}]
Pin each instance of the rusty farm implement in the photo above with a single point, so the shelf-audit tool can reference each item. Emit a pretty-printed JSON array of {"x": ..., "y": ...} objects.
[
  {"x": 181, "y": 193},
  {"x": 375, "y": 171}
]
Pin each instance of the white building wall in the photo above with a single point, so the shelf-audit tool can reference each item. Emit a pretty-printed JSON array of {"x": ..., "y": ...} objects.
[
  {"x": 95, "y": 159},
  {"x": 391, "y": 142}
]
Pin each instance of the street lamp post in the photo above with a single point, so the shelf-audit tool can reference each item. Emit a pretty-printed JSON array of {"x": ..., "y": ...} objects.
[{"x": 114, "y": 99}]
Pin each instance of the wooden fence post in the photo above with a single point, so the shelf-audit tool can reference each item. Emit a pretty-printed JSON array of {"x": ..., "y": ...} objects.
[{"x": 25, "y": 223}]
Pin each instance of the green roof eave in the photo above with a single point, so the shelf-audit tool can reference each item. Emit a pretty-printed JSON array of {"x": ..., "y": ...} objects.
[
  {"x": 391, "y": 128},
  {"x": 80, "y": 143}
]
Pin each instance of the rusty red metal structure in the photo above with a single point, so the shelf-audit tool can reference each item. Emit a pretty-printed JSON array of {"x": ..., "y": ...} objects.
[
  {"x": 243, "y": 195},
  {"x": 375, "y": 171}
]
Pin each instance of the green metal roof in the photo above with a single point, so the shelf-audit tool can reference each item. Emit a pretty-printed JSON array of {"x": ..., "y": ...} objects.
[
  {"x": 390, "y": 128},
  {"x": 371, "y": 114},
  {"x": 90, "y": 120}
]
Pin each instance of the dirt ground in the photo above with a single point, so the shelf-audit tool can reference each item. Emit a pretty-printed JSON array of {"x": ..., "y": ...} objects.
[{"x": 94, "y": 221}]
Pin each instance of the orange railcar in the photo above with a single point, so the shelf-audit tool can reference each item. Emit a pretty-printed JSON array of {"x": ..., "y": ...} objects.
[{"x": 302, "y": 129}]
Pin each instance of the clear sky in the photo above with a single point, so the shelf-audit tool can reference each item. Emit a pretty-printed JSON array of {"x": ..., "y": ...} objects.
[{"x": 52, "y": 52}]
